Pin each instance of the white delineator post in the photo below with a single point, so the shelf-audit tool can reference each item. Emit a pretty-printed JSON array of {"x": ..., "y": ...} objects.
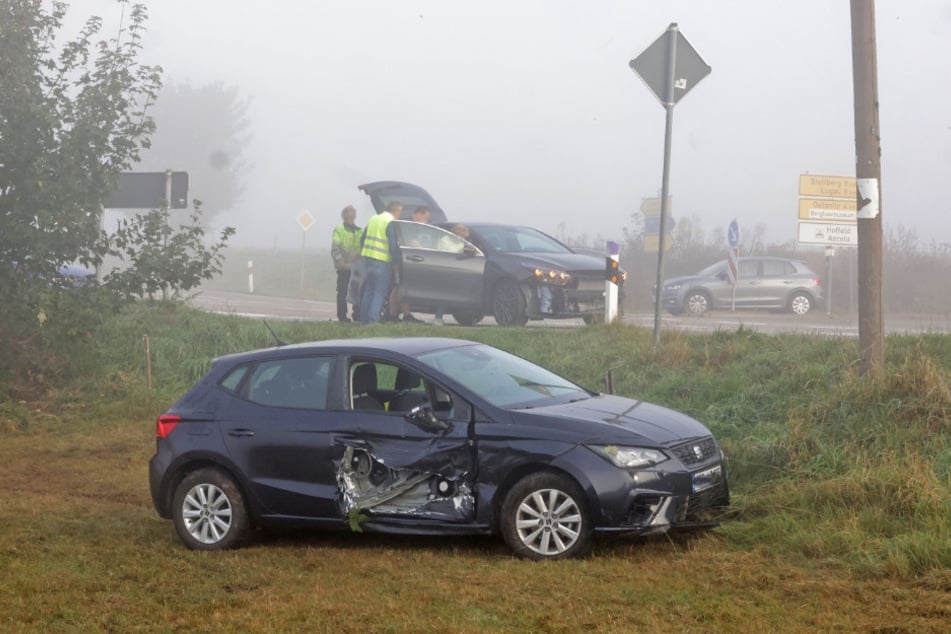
[
  {"x": 733, "y": 272},
  {"x": 611, "y": 283},
  {"x": 250, "y": 277}
]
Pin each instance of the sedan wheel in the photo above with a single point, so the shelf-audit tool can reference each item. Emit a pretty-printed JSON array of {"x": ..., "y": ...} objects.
[
  {"x": 209, "y": 511},
  {"x": 544, "y": 517},
  {"x": 508, "y": 304},
  {"x": 467, "y": 319},
  {"x": 800, "y": 304},
  {"x": 697, "y": 303}
]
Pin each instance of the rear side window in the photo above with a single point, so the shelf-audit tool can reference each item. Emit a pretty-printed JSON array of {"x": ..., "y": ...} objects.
[
  {"x": 298, "y": 383},
  {"x": 233, "y": 378},
  {"x": 777, "y": 267}
]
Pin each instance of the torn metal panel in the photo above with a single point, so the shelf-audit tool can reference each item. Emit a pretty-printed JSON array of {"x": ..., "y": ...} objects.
[{"x": 366, "y": 483}]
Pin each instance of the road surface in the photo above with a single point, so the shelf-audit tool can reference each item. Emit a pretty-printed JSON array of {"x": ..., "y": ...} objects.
[{"x": 817, "y": 323}]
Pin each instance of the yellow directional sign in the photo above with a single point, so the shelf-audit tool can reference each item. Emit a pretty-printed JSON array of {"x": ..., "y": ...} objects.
[
  {"x": 827, "y": 209},
  {"x": 306, "y": 220},
  {"x": 651, "y": 206},
  {"x": 827, "y": 186},
  {"x": 652, "y": 242}
]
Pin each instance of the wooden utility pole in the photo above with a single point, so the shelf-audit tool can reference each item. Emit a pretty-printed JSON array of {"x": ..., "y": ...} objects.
[{"x": 868, "y": 175}]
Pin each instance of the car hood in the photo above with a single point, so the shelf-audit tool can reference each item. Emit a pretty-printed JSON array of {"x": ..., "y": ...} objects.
[
  {"x": 563, "y": 261},
  {"x": 689, "y": 279},
  {"x": 618, "y": 420}
]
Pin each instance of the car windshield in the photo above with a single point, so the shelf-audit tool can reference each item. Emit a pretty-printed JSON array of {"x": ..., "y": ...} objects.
[
  {"x": 503, "y": 379},
  {"x": 508, "y": 239},
  {"x": 712, "y": 270}
]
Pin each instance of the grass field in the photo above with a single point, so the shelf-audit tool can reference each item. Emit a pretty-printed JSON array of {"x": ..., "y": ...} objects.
[{"x": 841, "y": 517}]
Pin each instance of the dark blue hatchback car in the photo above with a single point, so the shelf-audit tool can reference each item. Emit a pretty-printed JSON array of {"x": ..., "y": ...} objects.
[{"x": 425, "y": 436}]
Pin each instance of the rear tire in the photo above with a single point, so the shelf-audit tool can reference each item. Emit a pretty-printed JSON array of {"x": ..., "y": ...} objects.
[
  {"x": 467, "y": 318},
  {"x": 545, "y": 517},
  {"x": 209, "y": 511},
  {"x": 508, "y": 304},
  {"x": 800, "y": 304}
]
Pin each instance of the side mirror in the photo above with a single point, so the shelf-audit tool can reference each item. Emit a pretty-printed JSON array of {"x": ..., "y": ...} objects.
[{"x": 422, "y": 415}]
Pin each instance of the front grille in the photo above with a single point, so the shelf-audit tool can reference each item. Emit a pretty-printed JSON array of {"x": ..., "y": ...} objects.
[
  {"x": 712, "y": 500},
  {"x": 688, "y": 453}
]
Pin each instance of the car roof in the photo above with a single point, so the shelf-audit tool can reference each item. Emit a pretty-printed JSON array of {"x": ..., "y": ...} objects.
[{"x": 409, "y": 346}]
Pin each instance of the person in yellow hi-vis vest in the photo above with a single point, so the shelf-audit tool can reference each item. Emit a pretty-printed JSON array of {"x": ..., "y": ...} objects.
[
  {"x": 380, "y": 252},
  {"x": 344, "y": 249}
]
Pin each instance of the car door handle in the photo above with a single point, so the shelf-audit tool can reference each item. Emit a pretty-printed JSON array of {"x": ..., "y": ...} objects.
[
  {"x": 241, "y": 433},
  {"x": 415, "y": 258}
]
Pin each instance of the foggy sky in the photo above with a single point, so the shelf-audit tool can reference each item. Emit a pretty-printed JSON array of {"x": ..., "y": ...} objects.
[{"x": 526, "y": 110}]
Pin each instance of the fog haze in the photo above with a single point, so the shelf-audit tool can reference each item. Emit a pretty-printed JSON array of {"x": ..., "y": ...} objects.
[{"x": 527, "y": 111}]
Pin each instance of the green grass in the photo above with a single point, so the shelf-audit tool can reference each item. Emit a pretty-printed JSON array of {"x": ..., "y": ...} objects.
[{"x": 840, "y": 522}]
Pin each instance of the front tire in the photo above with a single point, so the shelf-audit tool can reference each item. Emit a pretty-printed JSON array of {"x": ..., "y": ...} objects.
[
  {"x": 800, "y": 304},
  {"x": 508, "y": 304},
  {"x": 697, "y": 303},
  {"x": 545, "y": 517},
  {"x": 209, "y": 511}
]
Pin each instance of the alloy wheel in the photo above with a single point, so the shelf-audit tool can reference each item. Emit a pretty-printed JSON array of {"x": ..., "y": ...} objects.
[
  {"x": 207, "y": 513},
  {"x": 548, "y": 522}
]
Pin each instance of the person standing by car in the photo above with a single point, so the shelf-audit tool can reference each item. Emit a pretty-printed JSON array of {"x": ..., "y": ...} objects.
[
  {"x": 379, "y": 252},
  {"x": 344, "y": 249},
  {"x": 452, "y": 245}
]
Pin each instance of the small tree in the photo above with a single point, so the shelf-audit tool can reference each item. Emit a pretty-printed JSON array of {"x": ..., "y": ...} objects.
[
  {"x": 72, "y": 116},
  {"x": 163, "y": 259},
  {"x": 69, "y": 123}
]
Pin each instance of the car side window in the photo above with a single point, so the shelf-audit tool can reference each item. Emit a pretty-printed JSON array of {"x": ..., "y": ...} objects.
[
  {"x": 414, "y": 234},
  {"x": 386, "y": 387},
  {"x": 747, "y": 268},
  {"x": 774, "y": 268},
  {"x": 232, "y": 380},
  {"x": 296, "y": 382}
]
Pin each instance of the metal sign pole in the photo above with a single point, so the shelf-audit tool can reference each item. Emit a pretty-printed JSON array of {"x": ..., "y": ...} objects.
[
  {"x": 658, "y": 67},
  {"x": 665, "y": 187},
  {"x": 303, "y": 239},
  {"x": 735, "y": 280}
]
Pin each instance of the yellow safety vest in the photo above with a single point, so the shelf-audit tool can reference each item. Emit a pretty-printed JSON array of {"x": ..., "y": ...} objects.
[{"x": 376, "y": 245}]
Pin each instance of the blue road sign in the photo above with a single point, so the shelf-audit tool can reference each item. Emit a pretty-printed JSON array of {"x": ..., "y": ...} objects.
[{"x": 733, "y": 234}]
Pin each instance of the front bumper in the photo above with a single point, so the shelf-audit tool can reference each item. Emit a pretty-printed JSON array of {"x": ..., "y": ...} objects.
[{"x": 556, "y": 302}]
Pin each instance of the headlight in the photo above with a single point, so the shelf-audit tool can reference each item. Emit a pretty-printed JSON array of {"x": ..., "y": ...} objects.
[
  {"x": 551, "y": 276},
  {"x": 631, "y": 457},
  {"x": 672, "y": 287}
]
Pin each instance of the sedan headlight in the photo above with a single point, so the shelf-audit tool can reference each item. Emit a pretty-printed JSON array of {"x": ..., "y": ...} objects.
[
  {"x": 631, "y": 457},
  {"x": 672, "y": 287},
  {"x": 551, "y": 276}
]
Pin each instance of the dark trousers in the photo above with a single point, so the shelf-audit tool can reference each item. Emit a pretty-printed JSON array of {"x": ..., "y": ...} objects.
[{"x": 343, "y": 282}]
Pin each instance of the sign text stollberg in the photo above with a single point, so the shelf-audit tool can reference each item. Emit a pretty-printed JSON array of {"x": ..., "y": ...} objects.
[{"x": 827, "y": 186}]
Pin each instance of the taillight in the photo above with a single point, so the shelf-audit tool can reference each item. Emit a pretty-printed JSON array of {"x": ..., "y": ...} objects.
[
  {"x": 165, "y": 423},
  {"x": 817, "y": 281}
]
